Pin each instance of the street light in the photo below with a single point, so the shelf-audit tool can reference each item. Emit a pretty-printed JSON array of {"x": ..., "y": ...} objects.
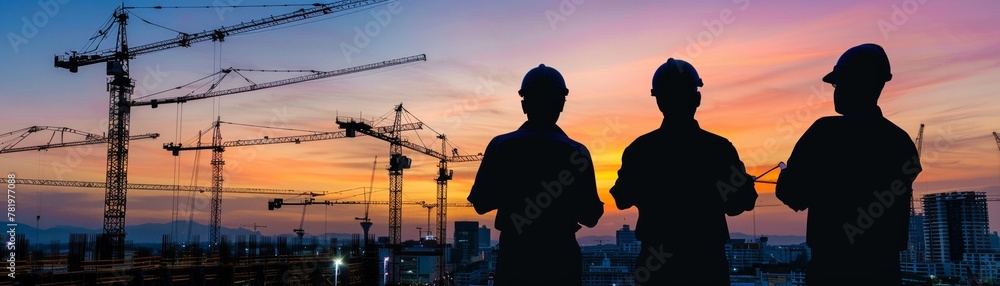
[{"x": 336, "y": 271}]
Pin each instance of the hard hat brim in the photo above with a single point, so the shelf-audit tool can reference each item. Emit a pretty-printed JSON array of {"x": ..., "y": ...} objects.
[{"x": 830, "y": 77}]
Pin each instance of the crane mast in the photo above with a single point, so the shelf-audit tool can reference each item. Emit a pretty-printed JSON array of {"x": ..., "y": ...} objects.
[
  {"x": 997, "y": 137},
  {"x": 397, "y": 162},
  {"x": 120, "y": 87},
  {"x": 920, "y": 147},
  {"x": 444, "y": 175},
  {"x": 217, "y": 164}
]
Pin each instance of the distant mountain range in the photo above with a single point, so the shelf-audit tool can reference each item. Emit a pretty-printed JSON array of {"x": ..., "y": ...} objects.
[{"x": 144, "y": 233}]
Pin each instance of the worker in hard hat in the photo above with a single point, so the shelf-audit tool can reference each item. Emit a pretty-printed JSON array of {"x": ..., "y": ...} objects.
[
  {"x": 684, "y": 181},
  {"x": 543, "y": 187},
  {"x": 854, "y": 173}
]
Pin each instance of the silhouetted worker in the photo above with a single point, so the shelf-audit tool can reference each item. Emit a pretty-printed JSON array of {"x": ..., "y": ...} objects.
[
  {"x": 542, "y": 185},
  {"x": 684, "y": 181},
  {"x": 855, "y": 174}
]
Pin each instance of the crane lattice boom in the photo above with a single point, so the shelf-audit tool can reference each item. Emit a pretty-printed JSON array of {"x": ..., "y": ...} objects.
[
  {"x": 89, "y": 138},
  {"x": 163, "y": 187},
  {"x": 314, "y": 202},
  {"x": 997, "y": 137},
  {"x": 74, "y": 61},
  {"x": 277, "y": 83}
]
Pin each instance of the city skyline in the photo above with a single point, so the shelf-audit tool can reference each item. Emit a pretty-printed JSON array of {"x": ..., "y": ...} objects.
[{"x": 761, "y": 63}]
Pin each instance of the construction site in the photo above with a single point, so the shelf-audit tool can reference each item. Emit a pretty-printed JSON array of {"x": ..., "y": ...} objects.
[
  {"x": 231, "y": 248},
  {"x": 183, "y": 258}
]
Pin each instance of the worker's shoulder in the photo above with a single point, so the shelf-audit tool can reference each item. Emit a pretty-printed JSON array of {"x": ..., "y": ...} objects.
[
  {"x": 713, "y": 138},
  {"x": 827, "y": 124},
  {"x": 891, "y": 130},
  {"x": 831, "y": 120},
  {"x": 518, "y": 135},
  {"x": 504, "y": 137},
  {"x": 656, "y": 138}
]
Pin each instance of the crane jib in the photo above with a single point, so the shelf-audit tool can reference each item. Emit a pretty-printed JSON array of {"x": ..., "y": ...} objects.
[
  {"x": 74, "y": 61},
  {"x": 155, "y": 102}
]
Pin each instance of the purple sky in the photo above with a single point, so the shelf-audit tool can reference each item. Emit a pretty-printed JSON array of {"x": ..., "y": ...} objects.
[{"x": 761, "y": 63}]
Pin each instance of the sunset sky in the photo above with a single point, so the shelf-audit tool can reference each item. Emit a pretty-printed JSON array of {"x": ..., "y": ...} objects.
[{"x": 761, "y": 62}]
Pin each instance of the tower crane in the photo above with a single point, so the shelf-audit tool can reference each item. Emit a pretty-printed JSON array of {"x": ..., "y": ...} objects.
[
  {"x": 997, "y": 137},
  {"x": 397, "y": 163},
  {"x": 218, "y": 147},
  {"x": 915, "y": 248},
  {"x": 920, "y": 146},
  {"x": 89, "y": 138},
  {"x": 429, "y": 208},
  {"x": 120, "y": 86},
  {"x": 299, "y": 231},
  {"x": 366, "y": 223}
]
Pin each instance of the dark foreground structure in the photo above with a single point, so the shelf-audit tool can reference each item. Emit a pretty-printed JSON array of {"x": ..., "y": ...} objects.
[{"x": 246, "y": 260}]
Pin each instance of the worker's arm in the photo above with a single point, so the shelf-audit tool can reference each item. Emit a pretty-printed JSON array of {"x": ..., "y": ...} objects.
[
  {"x": 804, "y": 172},
  {"x": 737, "y": 187},
  {"x": 490, "y": 179},
  {"x": 627, "y": 186},
  {"x": 589, "y": 203}
]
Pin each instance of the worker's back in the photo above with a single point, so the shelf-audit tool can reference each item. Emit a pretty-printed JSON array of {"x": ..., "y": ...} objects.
[
  {"x": 540, "y": 181},
  {"x": 678, "y": 182},
  {"x": 859, "y": 182}
]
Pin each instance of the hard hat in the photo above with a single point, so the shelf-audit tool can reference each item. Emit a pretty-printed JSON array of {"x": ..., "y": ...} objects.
[
  {"x": 865, "y": 61},
  {"x": 676, "y": 73},
  {"x": 543, "y": 80}
]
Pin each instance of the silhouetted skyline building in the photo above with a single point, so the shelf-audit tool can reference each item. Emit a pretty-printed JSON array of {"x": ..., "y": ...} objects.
[
  {"x": 606, "y": 273},
  {"x": 625, "y": 235},
  {"x": 916, "y": 248},
  {"x": 466, "y": 247},
  {"x": 484, "y": 238},
  {"x": 743, "y": 254},
  {"x": 956, "y": 223},
  {"x": 995, "y": 241}
]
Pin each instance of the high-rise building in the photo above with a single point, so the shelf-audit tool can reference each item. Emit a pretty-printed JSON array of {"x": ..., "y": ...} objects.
[
  {"x": 995, "y": 241},
  {"x": 624, "y": 235},
  {"x": 606, "y": 273},
  {"x": 745, "y": 254},
  {"x": 955, "y": 223},
  {"x": 484, "y": 238},
  {"x": 466, "y": 247},
  {"x": 915, "y": 249}
]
